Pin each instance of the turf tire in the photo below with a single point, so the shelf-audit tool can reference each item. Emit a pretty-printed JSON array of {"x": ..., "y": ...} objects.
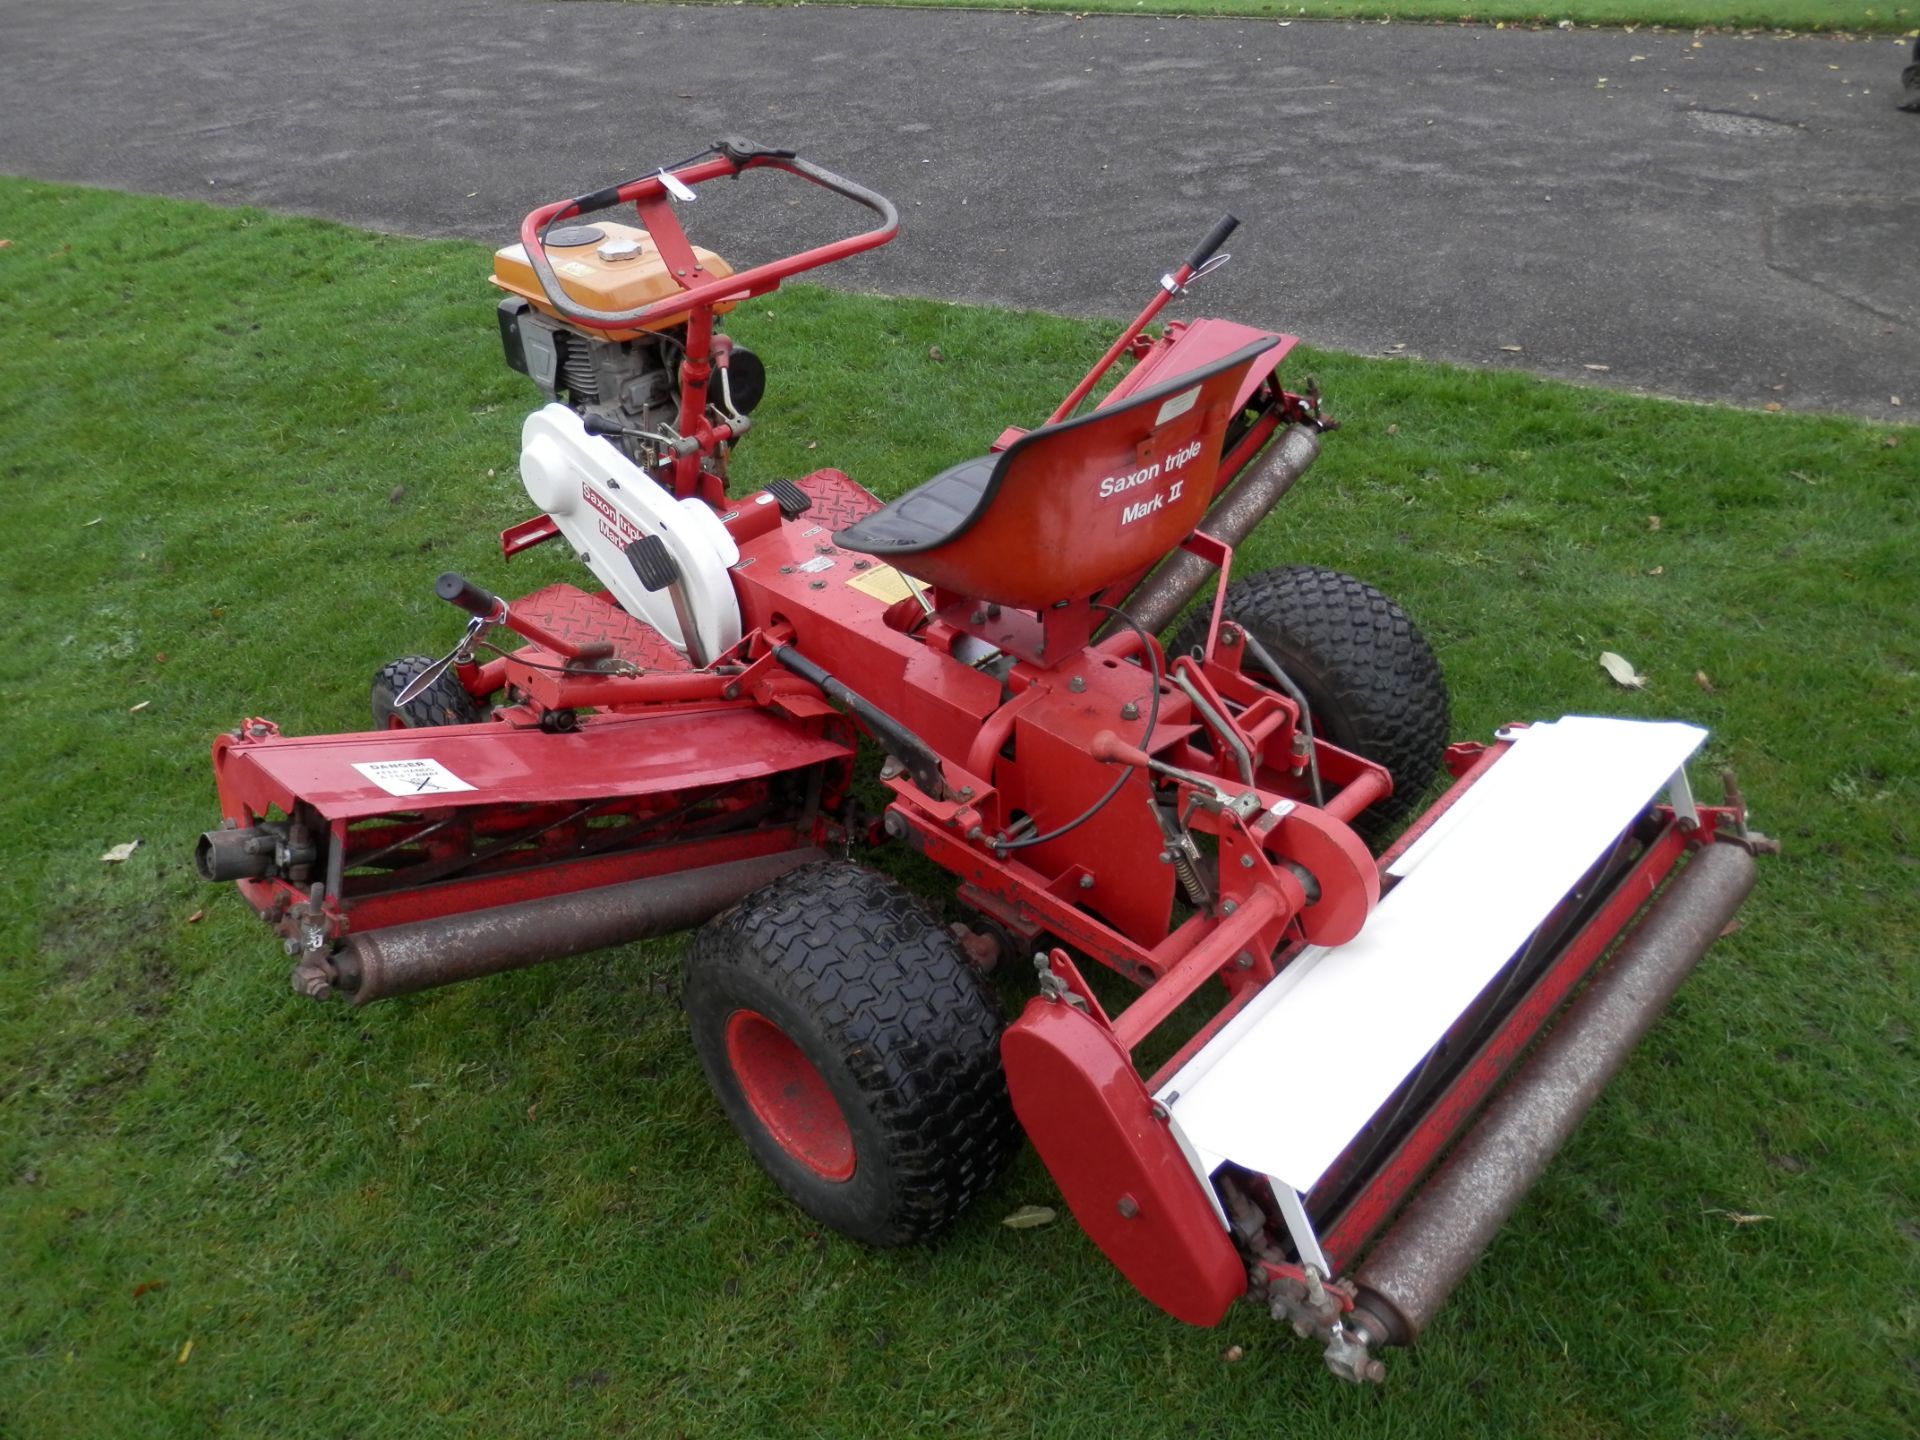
[
  {"x": 444, "y": 702},
  {"x": 880, "y": 999},
  {"x": 1369, "y": 676}
]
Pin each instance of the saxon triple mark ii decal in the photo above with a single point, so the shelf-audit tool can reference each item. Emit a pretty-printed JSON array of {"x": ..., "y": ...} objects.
[{"x": 1163, "y": 473}]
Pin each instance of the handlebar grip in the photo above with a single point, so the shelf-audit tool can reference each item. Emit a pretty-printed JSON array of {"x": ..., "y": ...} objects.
[
  {"x": 456, "y": 589},
  {"x": 1216, "y": 237}
]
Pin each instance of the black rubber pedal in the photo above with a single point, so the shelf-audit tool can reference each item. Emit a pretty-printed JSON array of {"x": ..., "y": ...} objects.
[
  {"x": 792, "y": 500},
  {"x": 651, "y": 562}
]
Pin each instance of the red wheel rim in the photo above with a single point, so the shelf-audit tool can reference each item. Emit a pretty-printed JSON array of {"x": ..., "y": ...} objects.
[
  {"x": 789, "y": 1096},
  {"x": 394, "y": 722}
]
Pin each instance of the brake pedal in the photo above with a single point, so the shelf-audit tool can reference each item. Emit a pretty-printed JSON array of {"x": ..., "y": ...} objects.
[
  {"x": 652, "y": 563},
  {"x": 792, "y": 500}
]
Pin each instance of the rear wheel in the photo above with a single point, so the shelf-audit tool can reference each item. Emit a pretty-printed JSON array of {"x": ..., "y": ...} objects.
[
  {"x": 855, "y": 1051},
  {"x": 1369, "y": 677},
  {"x": 444, "y": 702}
]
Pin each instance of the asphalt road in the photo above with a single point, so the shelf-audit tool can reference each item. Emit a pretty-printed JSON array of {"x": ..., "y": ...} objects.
[{"x": 1734, "y": 219}]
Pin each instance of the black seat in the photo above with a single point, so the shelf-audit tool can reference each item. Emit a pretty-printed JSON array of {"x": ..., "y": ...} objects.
[{"x": 930, "y": 514}]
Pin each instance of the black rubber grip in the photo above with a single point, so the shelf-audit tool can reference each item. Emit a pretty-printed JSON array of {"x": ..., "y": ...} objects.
[
  {"x": 1216, "y": 237},
  {"x": 456, "y": 589},
  {"x": 601, "y": 199}
]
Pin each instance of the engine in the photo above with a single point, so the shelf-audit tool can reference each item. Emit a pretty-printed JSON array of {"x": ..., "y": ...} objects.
[{"x": 625, "y": 384}]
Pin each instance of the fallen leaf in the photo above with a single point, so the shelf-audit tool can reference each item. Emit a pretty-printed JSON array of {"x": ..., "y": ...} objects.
[
  {"x": 185, "y": 1351},
  {"x": 1732, "y": 927},
  {"x": 1622, "y": 671},
  {"x": 1772, "y": 407},
  {"x": 1232, "y": 1353},
  {"x": 145, "y": 1285},
  {"x": 1653, "y": 522},
  {"x": 1596, "y": 367},
  {"x": 935, "y": 353},
  {"x": 1396, "y": 348},
  {"x": 6, "y": 244},
  {"x": 533, "y": 1111},
  {"x": 120, "y": 852},
  {"x": 160, "y": 657},
  {"x": 1890, "y": 442},
  {"x": 1511, "y": 349},
  {"x": 1893, "y": 399},
  {"x": 1635, "y": 59},
  {"x": 1700, "y": 679},
  {"x": 136, "y": 709},
  {"x": 1658, "y": 570},
  {"x": 1738, "y": 1217},
  {"x": 93, "y": 522},
  {"x": 1393, "y": 429},
  {"x": 1029, "y": 1217},
  {"x": 196, "y": 917}
]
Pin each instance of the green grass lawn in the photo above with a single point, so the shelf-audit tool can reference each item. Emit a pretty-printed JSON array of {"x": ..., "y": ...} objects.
[
  {"x": 235, "y": 450},
  {"x": 1850, "y": 16}
]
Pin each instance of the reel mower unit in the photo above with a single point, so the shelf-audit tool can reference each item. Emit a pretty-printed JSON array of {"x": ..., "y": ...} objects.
[{"x": 675, "y": 747}]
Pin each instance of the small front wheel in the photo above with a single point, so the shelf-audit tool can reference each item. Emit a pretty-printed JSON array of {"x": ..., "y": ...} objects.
[
  {"x": 855, "y": 1051},
  {"x": 444, "y": 702}
]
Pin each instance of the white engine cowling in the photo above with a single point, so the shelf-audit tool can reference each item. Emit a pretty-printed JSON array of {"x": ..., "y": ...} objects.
[{"x": 603, "y": 502}]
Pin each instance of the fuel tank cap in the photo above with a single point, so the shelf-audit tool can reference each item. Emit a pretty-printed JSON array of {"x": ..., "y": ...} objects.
[
  {"x": 569, "y": 236},
  {"x": 624, "y": 247}
]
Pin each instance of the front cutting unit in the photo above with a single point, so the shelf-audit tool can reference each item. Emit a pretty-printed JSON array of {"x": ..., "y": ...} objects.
[{"x": 1128, "y": 756}]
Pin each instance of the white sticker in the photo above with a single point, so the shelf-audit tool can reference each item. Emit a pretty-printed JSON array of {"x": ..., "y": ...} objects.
[
  {"x": 411, "y": 777},
  {"x": 1177, "y": 406},
  {"x": 819, "y": 562}
]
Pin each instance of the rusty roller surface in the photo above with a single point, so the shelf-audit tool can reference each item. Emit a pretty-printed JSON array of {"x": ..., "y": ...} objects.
[
  {"x": 1413, "y": 1269},
  {"x": 1241, "y": 506},
  {"x": 401, "y": 959}
]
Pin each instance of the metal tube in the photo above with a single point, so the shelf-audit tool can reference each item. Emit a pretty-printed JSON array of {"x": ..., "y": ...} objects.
[
  {"x": 1409, "y": 1274},
  {"x": 1241, "y": 506},
  {"x": 400, "y": 959}
]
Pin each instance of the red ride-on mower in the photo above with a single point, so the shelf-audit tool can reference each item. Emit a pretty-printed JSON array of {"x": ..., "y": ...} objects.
[{"x": 1344, "y": 1133}]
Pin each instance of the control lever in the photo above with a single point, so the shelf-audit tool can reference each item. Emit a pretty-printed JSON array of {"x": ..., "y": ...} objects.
[{"x": 483, "y": 605}]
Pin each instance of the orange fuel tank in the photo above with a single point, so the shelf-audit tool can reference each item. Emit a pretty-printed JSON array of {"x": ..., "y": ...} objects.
[{"x": 613, "y": 267}]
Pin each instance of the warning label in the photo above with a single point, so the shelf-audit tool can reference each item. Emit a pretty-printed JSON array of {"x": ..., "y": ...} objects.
[
  {"x": 883, "y": 582},
  {"x": 411, "y": 777}
]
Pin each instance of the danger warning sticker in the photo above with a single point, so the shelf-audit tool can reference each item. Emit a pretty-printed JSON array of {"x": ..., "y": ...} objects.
[{"x": 411, "y": 777}]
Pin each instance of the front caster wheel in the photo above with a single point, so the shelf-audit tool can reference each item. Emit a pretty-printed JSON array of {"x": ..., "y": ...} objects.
[{"x": 855, "y": 1051}]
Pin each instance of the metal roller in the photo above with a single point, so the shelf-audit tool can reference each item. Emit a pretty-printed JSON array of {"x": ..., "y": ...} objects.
[
  {"x": 1416, "y": 1265},
  {"x": 1241, "y": 506},
  {"x": 400, "y": 959}
]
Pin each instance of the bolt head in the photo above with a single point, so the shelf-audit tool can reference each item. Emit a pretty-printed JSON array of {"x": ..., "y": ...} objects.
[
  {"x": 1246, "y": 862},
  {"x": 1228, "y": 907},
  {"x": 1086, "y": 882},
  {"x": 1077, "y": 684},
  {"x": 1129, "y": 711},
  {"x": 1128, "y": 1207}
]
